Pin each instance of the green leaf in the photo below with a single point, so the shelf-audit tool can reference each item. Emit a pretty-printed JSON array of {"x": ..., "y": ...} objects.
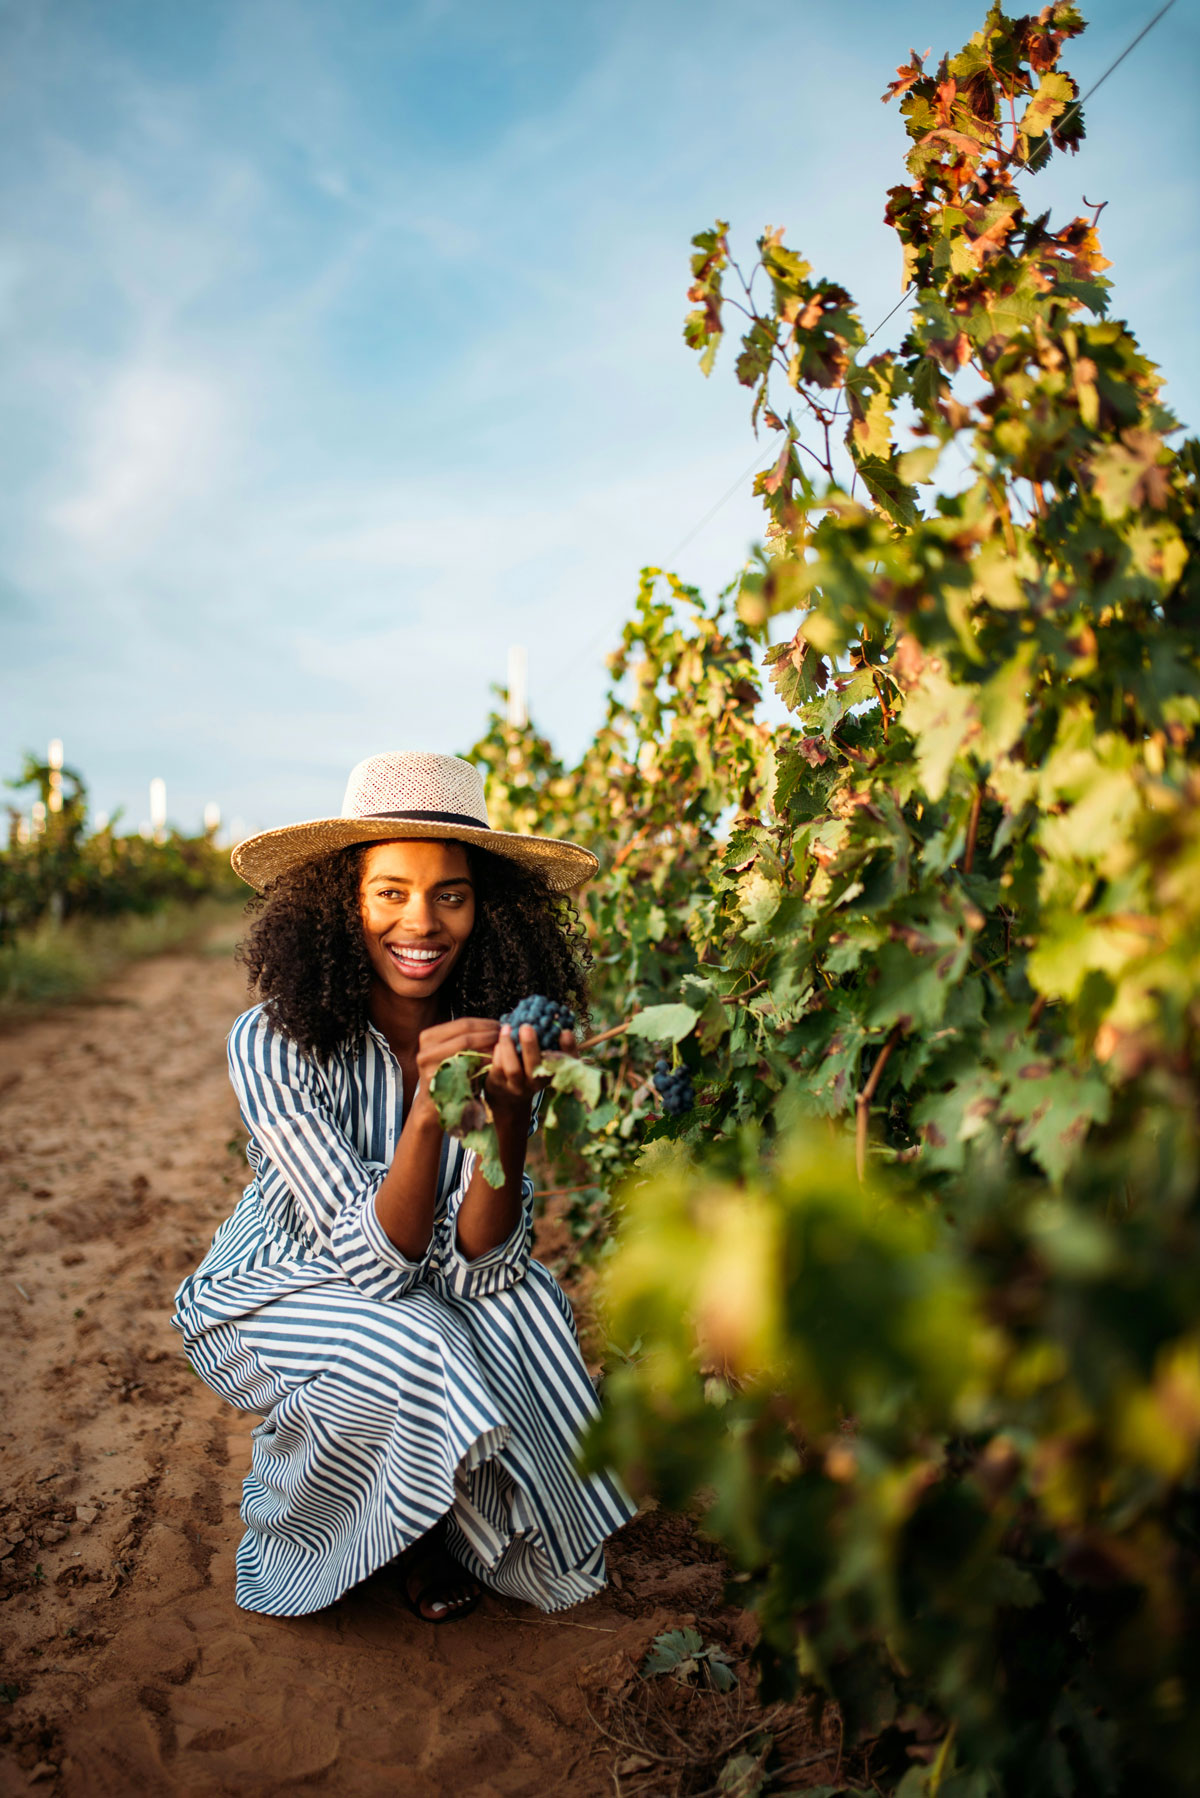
[
  {"x": 890, "y": 491},
  {"x": 1073, "y": 1242},
  {"x": 486, "y": 1145},
  {"x": 570, "y": 1074},
  {"x": 720, "y": 1674},
  {"x": 917, "y": 466},
  {"x": 664, "y": 1023},
  {"x": 671, "y": 1650},
  {"x": 1004, "y": 704},
  {"x": 713, "y": 1017},
  {"x": 948, "y": 1121},
  {"x": 798, "y": 672},
  {"x": 742, "y": 1776},
  {"x": 455, "y": 1091},
  {"x": 1055, "y": 1108}
]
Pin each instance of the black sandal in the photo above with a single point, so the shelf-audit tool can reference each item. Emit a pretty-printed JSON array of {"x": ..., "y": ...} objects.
[{"x": 437, "y": 1575}]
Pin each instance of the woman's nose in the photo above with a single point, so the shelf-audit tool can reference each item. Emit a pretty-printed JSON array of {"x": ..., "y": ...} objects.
[{"x": 419, "y": 914}]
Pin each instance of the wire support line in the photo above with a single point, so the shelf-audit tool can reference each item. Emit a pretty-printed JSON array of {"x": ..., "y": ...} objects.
[
  {"x": 1115, "y": 64},
  {"x": 716, "y": 507},
  {"x": 906, "y": 295},
  {"x": 666, "y": 561}
]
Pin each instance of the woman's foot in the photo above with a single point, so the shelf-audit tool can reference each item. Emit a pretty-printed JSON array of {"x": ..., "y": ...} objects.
[{"x": 436, "y": 1588}]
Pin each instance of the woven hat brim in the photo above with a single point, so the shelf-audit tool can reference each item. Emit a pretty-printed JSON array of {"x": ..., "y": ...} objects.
[{"x": 263, "y": 858}]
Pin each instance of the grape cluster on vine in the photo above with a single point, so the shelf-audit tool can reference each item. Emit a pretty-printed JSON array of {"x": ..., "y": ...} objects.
[
  {"x": 547, "y": 1016},
  {"x": 674, "y": 1088}
]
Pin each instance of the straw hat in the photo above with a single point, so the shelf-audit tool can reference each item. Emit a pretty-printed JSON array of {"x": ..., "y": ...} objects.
[{"x": 410, "y": 795}]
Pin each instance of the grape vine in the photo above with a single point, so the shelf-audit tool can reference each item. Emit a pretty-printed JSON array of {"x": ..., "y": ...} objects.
[{"x": 907, "y": 1299}]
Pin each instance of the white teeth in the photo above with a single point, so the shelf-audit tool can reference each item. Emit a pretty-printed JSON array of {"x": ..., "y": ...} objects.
[{"x": 418, "y": 954}]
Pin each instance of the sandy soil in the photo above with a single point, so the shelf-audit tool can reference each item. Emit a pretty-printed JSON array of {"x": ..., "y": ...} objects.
[{"x": 127, "y": 1668}]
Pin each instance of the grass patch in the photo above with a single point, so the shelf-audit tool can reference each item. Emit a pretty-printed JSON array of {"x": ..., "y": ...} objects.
[{"x": 60, "y": 964}]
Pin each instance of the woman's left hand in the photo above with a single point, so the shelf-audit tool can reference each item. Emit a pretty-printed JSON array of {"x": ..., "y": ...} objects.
[{"x": 510, "y": 1085}]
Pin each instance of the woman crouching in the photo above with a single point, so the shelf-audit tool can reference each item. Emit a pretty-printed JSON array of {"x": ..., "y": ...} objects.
[{"x": 372, "y": 1297}]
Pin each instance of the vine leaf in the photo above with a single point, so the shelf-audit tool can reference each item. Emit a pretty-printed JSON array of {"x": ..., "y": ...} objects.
[
  {"x": 682, "y": 1653},
  {"x": 664, "y": 1023},
  {"x": 891, "y": 493},
  {"x": 570, "y": 1074},
  {"x": 457, "y": 1093}
]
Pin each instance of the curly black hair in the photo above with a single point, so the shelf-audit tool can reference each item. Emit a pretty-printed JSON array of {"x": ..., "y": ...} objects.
[{"x": 307, "y": 959}]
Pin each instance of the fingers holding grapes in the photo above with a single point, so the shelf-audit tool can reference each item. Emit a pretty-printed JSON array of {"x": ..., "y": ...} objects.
[{"x": 527, "y": 1032}]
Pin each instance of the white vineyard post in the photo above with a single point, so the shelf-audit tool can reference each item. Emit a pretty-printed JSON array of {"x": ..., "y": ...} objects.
[
  {"x": 158, "y": 809},
  {"x": 518, "y": 665},
  {"x": 54, "y": 761}
]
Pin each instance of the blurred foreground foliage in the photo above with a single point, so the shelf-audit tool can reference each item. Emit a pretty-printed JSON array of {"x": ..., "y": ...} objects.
[{"x": 911, "y": 1302}]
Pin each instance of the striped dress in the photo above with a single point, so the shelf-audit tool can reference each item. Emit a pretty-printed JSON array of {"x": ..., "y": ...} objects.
[{"x": 392, "y": 1392}]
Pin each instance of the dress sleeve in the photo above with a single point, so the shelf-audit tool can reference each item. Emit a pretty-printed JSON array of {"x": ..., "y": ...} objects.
[
  {"x": 286, "y": 1107},
  {"x": 498, "y": 1268}
]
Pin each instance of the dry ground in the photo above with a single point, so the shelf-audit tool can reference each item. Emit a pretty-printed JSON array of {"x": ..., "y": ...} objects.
[{"x": 127, "y": 1668}]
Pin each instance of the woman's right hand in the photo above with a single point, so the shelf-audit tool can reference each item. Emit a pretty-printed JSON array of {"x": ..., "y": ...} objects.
[{"x": 441, "y": 1041}]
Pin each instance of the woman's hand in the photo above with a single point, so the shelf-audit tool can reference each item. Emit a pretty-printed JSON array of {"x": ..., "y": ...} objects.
[
  {"x": 510, "y": 1085},
  {"x": 440, "y": 1042}
]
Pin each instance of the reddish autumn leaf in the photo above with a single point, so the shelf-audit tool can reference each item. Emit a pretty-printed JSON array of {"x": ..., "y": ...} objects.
[{"x": 906, "y": 75}]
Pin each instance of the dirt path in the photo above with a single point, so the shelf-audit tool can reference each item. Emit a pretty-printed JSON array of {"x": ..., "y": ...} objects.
[{"x": 127, "y": 1668}]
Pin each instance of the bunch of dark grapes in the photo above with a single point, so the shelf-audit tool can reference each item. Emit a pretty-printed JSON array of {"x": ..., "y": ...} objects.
[
  {"x": 547, "y": 1016},
  {"x": 675, "y": 1089}
]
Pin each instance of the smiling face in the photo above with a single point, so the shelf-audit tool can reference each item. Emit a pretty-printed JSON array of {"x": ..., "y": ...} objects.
[{"x": 418, "y": 909}]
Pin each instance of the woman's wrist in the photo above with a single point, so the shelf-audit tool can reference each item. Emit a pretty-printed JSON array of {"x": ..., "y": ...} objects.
[
  {"x": 422, "y": 1117},
  {"x": 511, "y": 1114}
]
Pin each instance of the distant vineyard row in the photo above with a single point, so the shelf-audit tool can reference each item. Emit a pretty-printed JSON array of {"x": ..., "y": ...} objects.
[{"x": 61, "y": 870}]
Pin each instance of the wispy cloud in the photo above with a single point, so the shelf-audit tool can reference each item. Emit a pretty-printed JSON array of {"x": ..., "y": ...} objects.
[{"x": 151, "y": 444}]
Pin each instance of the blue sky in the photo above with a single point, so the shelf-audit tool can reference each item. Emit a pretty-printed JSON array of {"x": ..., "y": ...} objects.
[{"x": 342, "y": 344}]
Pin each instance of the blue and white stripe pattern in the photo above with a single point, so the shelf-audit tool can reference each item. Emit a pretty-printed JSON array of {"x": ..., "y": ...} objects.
[{"x": 393, "y": 1391}]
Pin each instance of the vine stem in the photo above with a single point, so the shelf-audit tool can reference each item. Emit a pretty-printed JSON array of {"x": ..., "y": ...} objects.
[
  {"x": 736, "y": 998},
  {"x": 862, "y": 1103},
  {"x": 607, "y": 1035},
  {"x": 973, "y": 829}
]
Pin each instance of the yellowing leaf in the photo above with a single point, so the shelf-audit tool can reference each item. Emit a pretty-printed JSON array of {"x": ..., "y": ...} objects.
[
  {"x": 1051, "y": 98},
  {"x": 736, "y": 1300},
  {"x": 1159, "y": 1424},
  {"x": 759, "y": 896},
  {"x": 941, "y": 716}
]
